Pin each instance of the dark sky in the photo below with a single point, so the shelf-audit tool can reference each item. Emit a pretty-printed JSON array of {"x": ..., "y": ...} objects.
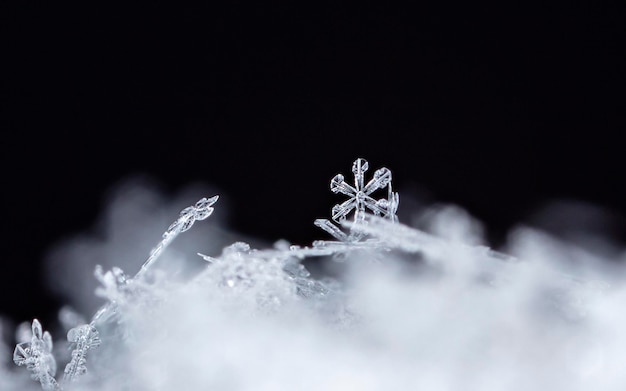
[{"x": 495, "y": 108}]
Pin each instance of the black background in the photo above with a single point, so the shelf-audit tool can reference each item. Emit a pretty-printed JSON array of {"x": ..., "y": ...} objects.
[{"x": 495, "y": 108}]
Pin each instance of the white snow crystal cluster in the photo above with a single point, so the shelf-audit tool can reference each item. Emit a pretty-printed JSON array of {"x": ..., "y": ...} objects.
[{"x": 382, "y": 306}]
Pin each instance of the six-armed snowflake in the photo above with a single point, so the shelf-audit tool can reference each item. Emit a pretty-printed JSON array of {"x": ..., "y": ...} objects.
[{"x": 360, "y": 200}]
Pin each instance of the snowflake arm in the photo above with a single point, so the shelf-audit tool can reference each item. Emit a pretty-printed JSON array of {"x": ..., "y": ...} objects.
[{"x": 332, "y": 229}]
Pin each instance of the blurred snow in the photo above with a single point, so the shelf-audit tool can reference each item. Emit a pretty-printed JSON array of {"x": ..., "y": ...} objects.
[{"x": 550, "y": 317}]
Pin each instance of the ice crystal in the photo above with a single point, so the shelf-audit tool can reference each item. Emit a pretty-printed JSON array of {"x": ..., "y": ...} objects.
[
  {"x": 360, "y": 200},
  {"x": 114, "y": 282},
  {"x": 37, "y": 356},
  {"x": 83, "y": 338},
  {"x": 241, "y": 267},
  {"x": 200, "y": 211}
]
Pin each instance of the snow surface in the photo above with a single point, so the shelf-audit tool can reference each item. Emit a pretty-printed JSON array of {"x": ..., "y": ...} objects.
[{"x": 427, "y": 309}]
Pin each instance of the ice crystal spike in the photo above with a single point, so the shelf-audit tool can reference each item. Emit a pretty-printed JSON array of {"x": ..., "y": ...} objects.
[
  {"x": 37, "y": 356},
  {"x": 331, "y": 229},
  {"x": 200, "y": 211},
  {"x": 83, "y": 338},
  {"x": 360, "y": 200}
]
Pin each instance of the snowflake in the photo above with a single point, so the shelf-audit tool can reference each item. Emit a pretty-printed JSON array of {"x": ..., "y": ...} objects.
[{"x": 360, "y": 201}]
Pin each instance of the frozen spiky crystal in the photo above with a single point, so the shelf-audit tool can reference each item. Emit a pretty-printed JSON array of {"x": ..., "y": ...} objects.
[
  {"x": 360, "y": 200},
  {"x": 83, "y": 338},
  {"x": 200, "y": 211},
  {"x": 37, "y": 356},
  {"x": 271, "y": 276},
  {"x": 115, "y": 282}
]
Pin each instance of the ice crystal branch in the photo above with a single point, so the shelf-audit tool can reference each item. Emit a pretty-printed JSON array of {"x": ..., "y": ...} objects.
[
  {"x": 116, "y": 279},
  {"x": 200, "y": 211},
  {"x": 360, "y": 200},
  {"x": 83, "y": 338},
  {"x": 86, "y": 337}
]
